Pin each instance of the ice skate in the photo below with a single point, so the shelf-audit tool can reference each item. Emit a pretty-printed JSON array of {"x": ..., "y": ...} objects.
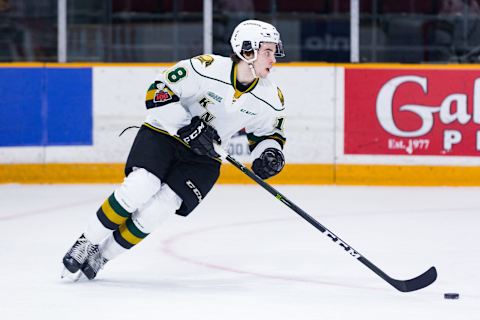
[
  {"x": 75, "y": 258},
  {"x": 94, "y": 262}
]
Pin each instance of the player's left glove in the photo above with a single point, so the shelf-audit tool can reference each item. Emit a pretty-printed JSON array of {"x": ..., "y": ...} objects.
[
  {"x": 200, "y": 136},
  {"x": 270, "y": 163}
]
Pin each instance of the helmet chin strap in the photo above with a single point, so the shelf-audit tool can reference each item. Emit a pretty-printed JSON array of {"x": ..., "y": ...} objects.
[
  {"x": 254, "y": 74},
  {"x": 250, "y": 62}
]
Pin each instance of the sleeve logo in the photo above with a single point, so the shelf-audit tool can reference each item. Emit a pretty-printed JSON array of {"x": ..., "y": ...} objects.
[
  {"x": 159, "y": 95},
  {"x": 162, "y": 96}
]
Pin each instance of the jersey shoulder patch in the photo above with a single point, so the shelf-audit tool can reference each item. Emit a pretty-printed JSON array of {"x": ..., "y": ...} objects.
[
  {"x": 205, "y": 59},
  {"x": 158, "y": 94},
  {"x": 213, "y": 67}
]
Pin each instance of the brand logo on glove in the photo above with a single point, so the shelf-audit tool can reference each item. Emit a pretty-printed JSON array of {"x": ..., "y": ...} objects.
[
  {"x": 162, "y": 96},
  {"x": 195, "y": 133}
]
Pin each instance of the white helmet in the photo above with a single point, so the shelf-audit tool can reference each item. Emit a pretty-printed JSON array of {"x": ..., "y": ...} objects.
[{"x": 248, "y": 35}]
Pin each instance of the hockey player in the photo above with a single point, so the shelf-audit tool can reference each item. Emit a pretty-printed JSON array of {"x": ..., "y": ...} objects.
[{"x": 172, "y": 164}]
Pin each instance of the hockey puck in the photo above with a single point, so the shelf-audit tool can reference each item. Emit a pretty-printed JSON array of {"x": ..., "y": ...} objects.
[{"x": 451, "y": 295}]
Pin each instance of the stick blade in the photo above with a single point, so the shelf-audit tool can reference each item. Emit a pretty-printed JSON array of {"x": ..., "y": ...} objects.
[{"x": 422, "y": 281}]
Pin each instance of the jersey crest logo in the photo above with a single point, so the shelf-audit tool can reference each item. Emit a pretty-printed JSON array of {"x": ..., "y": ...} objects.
[
  {"x": 206, "y": 59},
  {"x": 280, "y": 96}
]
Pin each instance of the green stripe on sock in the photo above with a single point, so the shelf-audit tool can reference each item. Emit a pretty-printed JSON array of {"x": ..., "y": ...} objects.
[
  {"x": 117, "y": 207},
  {"x": 134, "y": 230}
]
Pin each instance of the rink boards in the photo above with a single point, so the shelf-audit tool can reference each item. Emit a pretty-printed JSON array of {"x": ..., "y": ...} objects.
[{"x": 382, "y": 124}]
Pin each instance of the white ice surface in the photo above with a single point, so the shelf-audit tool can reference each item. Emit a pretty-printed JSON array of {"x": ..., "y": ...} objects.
[{"x": 245, "y": 255}]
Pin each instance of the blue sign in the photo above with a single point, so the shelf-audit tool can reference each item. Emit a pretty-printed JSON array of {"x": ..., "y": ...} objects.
[{"x": 45, "y": 106}]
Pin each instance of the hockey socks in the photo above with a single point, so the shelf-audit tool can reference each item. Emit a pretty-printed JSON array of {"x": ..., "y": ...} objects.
[
  {"x": 108, "y": 218},
  {"x": 128, "y": 234},
  {"x": 122, "y": 239}
]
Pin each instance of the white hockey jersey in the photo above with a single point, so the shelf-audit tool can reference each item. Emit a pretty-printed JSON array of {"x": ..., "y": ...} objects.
[{"x": 205, "y": 86}]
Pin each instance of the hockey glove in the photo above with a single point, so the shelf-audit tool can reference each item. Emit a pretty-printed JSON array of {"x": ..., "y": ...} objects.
[
  {"x": 270, "y": 162},
  {"x": 200, "y": 136}
]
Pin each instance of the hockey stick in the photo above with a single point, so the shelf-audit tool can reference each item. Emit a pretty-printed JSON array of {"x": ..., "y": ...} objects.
[{"x": 422, "y": 281}]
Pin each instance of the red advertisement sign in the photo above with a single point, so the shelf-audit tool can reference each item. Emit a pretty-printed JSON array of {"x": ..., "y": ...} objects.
[{"x": 412, "y": 112}]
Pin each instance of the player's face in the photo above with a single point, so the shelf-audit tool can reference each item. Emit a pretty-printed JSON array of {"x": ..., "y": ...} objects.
[{"x": 265, "y": 59}]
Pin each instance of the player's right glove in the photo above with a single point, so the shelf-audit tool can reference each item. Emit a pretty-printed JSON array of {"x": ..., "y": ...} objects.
[
  {"x": 270, "y": 163},
  {"x": 200, "y": 136}
]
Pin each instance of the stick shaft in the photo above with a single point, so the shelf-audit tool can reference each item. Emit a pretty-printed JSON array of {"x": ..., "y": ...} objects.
[
  {"x": 419, "y": 282},
  {"x": 294, "y": 207}
]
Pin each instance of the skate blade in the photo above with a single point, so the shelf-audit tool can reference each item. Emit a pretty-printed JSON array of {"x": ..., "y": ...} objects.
[{"x": 74, "y": 277}]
